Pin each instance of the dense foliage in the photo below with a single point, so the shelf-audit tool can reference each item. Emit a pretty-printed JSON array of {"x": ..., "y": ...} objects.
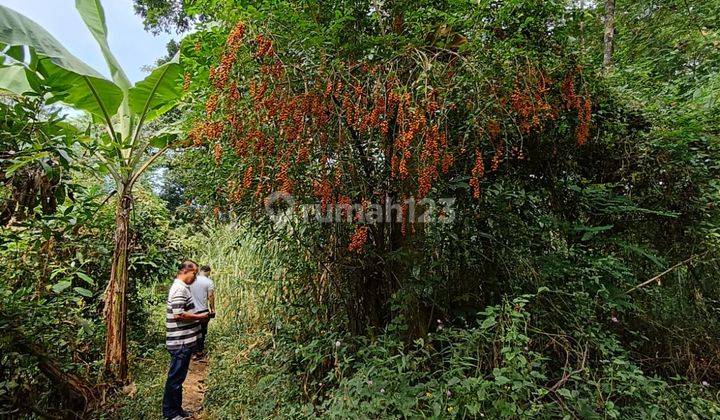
[
  {"x": 562, "y": 179},
  {"x": 569, "y": 272},
  {"x": 56, "y": 263}
]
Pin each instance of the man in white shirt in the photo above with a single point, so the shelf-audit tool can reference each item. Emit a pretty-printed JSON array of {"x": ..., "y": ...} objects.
[{"x": 203, "y": 294}]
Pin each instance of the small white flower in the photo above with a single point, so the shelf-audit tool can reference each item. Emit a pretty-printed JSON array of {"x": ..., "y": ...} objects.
[
  {"x": 369, "y": 382},
  {"x": 449, "y": 394},
  {"x": 337, "y": 343},
  {"x": 614, "y": 319},
  {"x": 705, "y": 383},
  {"x": 382, "y": 390}
]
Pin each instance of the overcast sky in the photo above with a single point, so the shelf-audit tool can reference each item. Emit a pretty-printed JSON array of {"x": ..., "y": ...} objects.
[{"x": 132, "y": 46}]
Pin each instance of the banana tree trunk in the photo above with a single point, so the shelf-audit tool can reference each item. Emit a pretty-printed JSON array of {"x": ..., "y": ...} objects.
[{"x": 116, "y": 364}]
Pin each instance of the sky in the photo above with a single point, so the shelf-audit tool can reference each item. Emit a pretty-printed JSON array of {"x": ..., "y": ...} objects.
[{"x": 132, "y": 46}]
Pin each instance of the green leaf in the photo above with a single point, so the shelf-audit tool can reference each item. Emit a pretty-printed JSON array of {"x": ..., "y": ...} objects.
[
  {"x": 70, "y": 80},
  {"x": 18, "y": 30},
  {"x": 164, "y": 138},
  {"x": 17, "y": 52},
  {"x": 60, "y": 193},
  {"x": 86, "y": 325},
  {"x": 14, "y": 79},
  {"x": 158, "y": 92},
  {"x": 20, "y": 162},
  {"x": 565, "y": 392},
  {"x": 100, "y": 97},
  {"x": 488, "y": 323},
  {"x": 60, "y": 286},
  {"x": 591, "y": 231},
  {"x": 82, "y": 291},
  {"x": 93, "y": 15},
  {"x": 501, "y": 380},
  {"x": 87, "y": 279}
]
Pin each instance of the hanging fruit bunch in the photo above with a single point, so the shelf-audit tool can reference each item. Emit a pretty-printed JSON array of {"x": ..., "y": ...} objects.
[{"x": 370, "y": 131}]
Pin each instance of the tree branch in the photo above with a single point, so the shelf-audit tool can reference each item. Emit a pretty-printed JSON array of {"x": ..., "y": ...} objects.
[
  {"x": 656, "y": 278},
  {"x": 367, "y": 167}
]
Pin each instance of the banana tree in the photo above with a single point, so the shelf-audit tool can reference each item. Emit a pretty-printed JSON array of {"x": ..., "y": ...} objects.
[{"x": 31, "y": 59}]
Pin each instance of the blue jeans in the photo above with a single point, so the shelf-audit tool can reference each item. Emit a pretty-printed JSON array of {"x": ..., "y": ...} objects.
[{"x": 179, "y": 364}]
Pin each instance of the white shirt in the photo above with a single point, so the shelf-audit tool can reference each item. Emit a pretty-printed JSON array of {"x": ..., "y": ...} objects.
[{"x": 200, "y": 290}]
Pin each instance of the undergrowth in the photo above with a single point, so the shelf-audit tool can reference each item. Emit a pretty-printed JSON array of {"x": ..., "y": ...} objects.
[
  {"x": 142, "y": 398},
  {"x": 271, "y": 359}
]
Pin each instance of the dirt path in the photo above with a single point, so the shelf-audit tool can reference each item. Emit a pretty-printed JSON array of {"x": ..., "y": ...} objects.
[{"x": 194, "y": 389}]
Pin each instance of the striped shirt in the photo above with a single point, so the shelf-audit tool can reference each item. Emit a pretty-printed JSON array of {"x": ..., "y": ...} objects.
[{"x": 180, "y": 333}]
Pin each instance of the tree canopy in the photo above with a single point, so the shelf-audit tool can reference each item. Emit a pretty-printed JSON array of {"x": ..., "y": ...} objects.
[{"x": 411, "y": 209}]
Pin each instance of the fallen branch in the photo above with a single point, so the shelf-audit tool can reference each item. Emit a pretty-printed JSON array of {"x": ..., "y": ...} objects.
[
  {"x": 81, "y": 394},
  {"x": 657, "y": 278}
]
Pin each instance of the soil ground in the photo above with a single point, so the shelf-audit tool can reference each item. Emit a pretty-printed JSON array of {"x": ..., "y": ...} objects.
[{"x": 194, "y": 389}]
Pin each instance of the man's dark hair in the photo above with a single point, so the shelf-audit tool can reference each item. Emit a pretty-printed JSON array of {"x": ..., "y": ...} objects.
[
  {"x": 187, "y": 265},
  {"x": 205, "y": 268}
]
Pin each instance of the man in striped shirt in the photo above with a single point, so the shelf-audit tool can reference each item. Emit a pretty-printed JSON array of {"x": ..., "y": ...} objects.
[{"x": 183, "y": 330}]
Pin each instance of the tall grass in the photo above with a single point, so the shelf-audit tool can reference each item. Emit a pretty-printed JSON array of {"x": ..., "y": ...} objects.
[
  {"x": 247, "y": 273},
  {"x": 243, "y": 269}
]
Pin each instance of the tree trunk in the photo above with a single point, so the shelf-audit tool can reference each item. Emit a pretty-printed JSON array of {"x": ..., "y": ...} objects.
[
  {"x": 609, "y": 34},
  {"x": 582, "y": 28},
  {"x": 116, "y": 365}
]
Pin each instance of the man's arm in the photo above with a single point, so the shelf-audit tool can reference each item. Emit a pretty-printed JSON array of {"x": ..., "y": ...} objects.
[
  {"x": 211, "y": 295},
  {"x": 179, "y": 304},
  {"x": 211, "y": 300},
  {"x": 189, "y": 316}
]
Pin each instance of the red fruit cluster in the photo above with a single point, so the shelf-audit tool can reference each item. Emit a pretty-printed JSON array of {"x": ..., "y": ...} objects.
[
  {"x": 584, "y": 109},
  {"x": 211, "y": 105},
  {"x": 478, "y": 173},
  {"x": 581, "y": 104},
  {"x": 264, "y": 47},
  {"x": 219, "y": 76},
  {"x": 205, "y": 131},
  {"x": 358, "y": 239},
  {"x": 218, "y": 152},
  {"x": 498, "y": 156},
  {"x": 282, "y": 179},
  {"x": 530, "y": 100},
  {"x": 247, "y": 178},
  {"x": 324, "y": 191},
  {"x": 359, "y": 132},
  {"x": 234, "y": 40},
  {"x": 186, "y": 82}
]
